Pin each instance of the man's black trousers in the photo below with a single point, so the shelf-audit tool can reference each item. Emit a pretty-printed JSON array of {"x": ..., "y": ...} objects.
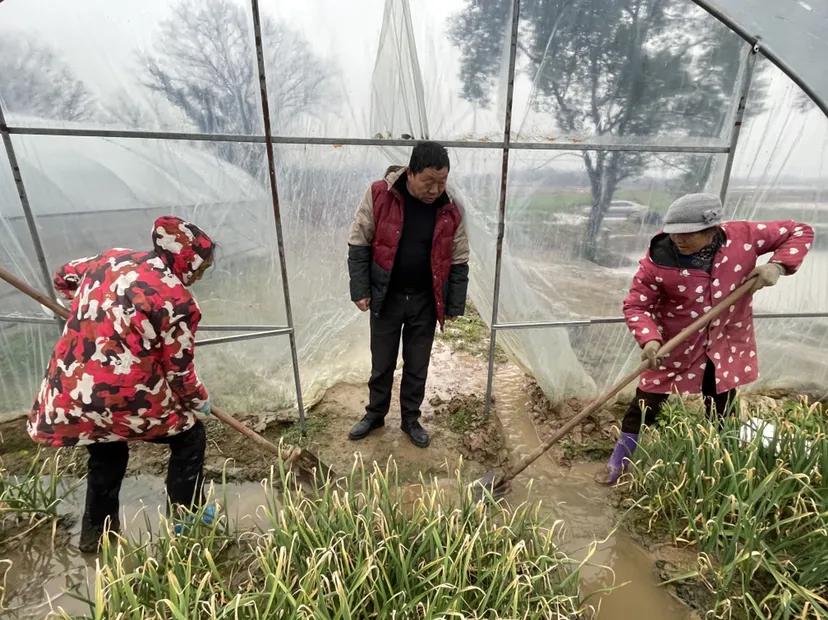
[{"x": 411, "y": 315}]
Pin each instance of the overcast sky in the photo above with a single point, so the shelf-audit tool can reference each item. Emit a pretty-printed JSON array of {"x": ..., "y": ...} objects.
[{"x": 99, "y": 40}]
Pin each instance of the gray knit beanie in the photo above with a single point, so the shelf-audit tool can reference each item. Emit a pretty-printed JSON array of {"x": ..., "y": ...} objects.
[{"x": 692, "y": 213}]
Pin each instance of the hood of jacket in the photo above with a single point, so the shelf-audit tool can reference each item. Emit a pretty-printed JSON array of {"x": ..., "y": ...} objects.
[{"x": 182, "y": 246}]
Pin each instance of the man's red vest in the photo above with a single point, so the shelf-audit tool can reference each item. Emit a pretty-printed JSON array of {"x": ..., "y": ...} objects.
[{"x": 388, "y": 223}]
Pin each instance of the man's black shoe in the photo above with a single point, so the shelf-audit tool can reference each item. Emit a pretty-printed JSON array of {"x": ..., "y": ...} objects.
[
  {"x": 362, "y": 428},
  {"x": 417, "y": 434}
]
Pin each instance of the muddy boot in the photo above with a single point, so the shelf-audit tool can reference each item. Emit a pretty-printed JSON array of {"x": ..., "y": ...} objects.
[
  {"x": 363, "y": 428},
  {"x": 91, "y": 536},
  {"x": 624, "y": 448}
]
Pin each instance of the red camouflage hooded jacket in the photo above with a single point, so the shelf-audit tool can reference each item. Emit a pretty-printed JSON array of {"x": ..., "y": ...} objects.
[{"x": 123, "y": 367}]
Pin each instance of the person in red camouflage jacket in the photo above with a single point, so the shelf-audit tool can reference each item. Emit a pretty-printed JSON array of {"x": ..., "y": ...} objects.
[{"x": 123, "y": 368}]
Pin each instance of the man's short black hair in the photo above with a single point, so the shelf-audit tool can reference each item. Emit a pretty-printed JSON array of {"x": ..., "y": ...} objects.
[{"x": 428, "y": 155}]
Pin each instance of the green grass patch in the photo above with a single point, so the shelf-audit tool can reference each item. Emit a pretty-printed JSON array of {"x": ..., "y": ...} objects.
[
  {"x": 355, "y": 549},
  {"x": 31, "y": 500},
  {"x": 470, "y": 334},
  {"x": 757, "y": 514},
  {"x": 467, "y": 333},
  {"x": 314, "y": 424},
  {"x": 589, "y": 449},
  {"x": 544, "y": 201},
  {"x": 462, "y": 413}
]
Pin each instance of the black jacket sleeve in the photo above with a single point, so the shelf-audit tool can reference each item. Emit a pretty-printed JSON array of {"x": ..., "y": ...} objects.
[
  {"x": 359, "y": 270},
  {"x": 458, "y": 284}
]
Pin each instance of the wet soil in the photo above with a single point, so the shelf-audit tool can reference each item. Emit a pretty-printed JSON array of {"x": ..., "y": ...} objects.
[
  {"x": 591, "y": 440},
  {"x": 587, "y": 512},
  {"x": 587, "y": 448}
]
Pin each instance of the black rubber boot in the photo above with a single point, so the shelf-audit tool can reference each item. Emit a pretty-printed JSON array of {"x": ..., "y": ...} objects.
[
  {"x": 91, "y": 536},
  {"x": 105, "y": 472}
]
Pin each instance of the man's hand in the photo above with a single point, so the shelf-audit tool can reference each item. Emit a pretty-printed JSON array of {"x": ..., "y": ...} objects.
[
  {"x": 205, "y": 410},
  {"x": 765, "y": 275},
  {"x": 648, "y": 354},
  {"x": 363, "y": 304}
]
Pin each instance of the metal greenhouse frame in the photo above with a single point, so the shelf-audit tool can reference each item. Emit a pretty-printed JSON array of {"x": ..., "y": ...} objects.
[{"x": 506, "y": 145}]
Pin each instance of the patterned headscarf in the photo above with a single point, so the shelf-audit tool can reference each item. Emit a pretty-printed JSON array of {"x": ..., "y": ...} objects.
[{"x": 181, "y": 245}]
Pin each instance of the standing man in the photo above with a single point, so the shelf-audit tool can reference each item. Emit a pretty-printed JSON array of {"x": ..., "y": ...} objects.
[
  {"x": 408, "y": 262},
  {"x": 123, "y": 369},
  {"x": 691, "y": 266}
]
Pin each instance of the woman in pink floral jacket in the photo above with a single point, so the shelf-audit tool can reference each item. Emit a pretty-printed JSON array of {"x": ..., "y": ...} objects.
[{"x": 690, "y": 267}]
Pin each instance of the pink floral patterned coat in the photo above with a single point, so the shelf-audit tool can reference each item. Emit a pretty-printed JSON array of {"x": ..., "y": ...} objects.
[{"x": 664, "y": 299}]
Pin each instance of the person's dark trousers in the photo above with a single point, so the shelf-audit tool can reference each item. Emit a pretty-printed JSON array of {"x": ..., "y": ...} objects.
[
  {"x": 105, "y": 471},
  {"x": 185, "y": 471},
  {"x": 413, "y": 315},
  {"x": 107, "y": 467},
  {"x": 652, "y": 403}
]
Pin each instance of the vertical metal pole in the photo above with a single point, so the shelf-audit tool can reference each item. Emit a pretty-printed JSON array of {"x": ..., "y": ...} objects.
[
  {"x": 27, "y": 210},
  {"x": 501, "y": 213},
  {"x": 744, "y": 88},
  {"x": 274, "y": 192}
]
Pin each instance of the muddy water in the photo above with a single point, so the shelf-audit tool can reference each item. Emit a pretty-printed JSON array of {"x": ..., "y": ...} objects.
[
  {"x": 47, "y": 574},
  {"x": 571, "y": 495}
]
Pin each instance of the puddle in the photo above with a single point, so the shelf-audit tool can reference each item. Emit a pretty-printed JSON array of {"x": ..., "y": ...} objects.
[
  {"x": 572, "y": 496},
  {"x": 44, "y": 571}
]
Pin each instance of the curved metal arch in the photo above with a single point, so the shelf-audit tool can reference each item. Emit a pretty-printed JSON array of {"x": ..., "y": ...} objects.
[{"x": 760, "y": 45}]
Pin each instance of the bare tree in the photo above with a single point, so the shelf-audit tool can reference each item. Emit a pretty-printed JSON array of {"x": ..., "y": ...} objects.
[
  {"x": 124, "y": 109},
  {"x": 205, "y": 66},
  {"x": 36, "y": 82}
]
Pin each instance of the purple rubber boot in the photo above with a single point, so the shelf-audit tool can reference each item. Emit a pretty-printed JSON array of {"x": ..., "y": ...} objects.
[{"x": 624, "y": 448}]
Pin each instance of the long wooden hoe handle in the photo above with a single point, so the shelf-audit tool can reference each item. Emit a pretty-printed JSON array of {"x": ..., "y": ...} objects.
[
  {"x": 62, "y": 312},
  {"x": 667, "y": 348}
]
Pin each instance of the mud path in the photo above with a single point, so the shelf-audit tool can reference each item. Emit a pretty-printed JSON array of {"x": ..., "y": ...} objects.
[
  {"x": 568, "y": 493},
  {"x": 451, "y": 413}
]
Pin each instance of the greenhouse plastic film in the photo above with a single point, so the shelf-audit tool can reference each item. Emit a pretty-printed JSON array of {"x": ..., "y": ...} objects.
[
  {"x": 576, "y": 220},
  {"x": 781, "y": 172}
]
